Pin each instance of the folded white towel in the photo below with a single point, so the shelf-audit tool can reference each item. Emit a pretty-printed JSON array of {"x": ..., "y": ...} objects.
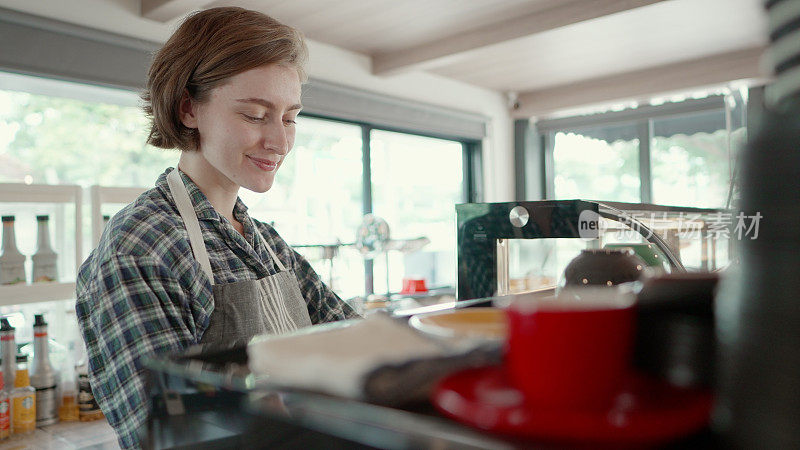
[{"x": 378, "y": 359}]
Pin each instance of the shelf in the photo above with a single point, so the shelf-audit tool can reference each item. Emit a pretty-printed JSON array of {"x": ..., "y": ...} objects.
[
  {"x": 68, "y": 194},
  {"x": 40, "y": 193},
  {"x": 109, "y": 194},
  {"x": 48, "y": 193},
  {"x": 15, "y": 294}
]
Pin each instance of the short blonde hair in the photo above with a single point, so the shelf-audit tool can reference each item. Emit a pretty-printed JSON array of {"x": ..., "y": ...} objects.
[{"x": 209, "y": 47}]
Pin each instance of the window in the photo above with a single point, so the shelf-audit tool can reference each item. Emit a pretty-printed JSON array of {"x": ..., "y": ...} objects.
[
  {"x": 82, "y": 139},
  {"x": 597, "y": 163},
  {"x": 673, "y": 154},
  {"x": 416, "y": 182},
  {"x": 57, "y": 140},
  {"x": 55, "y": 132},
  {"x": 317, "y": 199},
  {"x": 46, "y": 139},
  {"x": 690, "y": 159}
]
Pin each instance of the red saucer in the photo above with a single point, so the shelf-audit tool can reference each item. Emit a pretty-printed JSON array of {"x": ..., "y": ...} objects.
[{"x": 645, "y": 411}]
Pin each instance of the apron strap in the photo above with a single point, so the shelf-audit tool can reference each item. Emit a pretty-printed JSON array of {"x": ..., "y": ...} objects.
[
  {"x": 278, "y": 262},
  {"x": 189, "y": 216}
]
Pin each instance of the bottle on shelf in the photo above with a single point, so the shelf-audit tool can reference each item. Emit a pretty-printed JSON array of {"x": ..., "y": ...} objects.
[
  {"x": 45, "y": 258},
  {"x": 68, "y": 386},
  {"x": 23, "y": 400},
  {"x": 68, "y": 410},
  {"x": 12, "y": 262},
  {"x": 8, "y": 347},
  {"x": 88, "y": 409},
  {"x": 5, "y": 412},
  {"x": 43, "y": 377}
]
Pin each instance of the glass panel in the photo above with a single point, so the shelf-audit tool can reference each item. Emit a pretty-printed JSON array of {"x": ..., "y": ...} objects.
[
  {"x": 416, "y": 183},
  {"x": 317, "y": 199},
  {"x": 699, "y": 240},
  {"x": 690, "y": 159},
  {"x": 696, "y": 239},
  {"x": 49, "y": 140},
  {"x": 539, "y": 263},
  {"x": 600, "y": 163}
]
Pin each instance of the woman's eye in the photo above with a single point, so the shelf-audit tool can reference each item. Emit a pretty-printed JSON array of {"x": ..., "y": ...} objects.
[{"x": 254, "y": 118}]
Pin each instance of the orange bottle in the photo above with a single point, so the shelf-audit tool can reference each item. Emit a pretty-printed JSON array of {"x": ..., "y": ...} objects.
[
  {"x": 68, "y": 410},
  {"x": 23, "y": 400}
]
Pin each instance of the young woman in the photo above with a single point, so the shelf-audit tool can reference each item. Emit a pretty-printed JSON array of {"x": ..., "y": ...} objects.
[{"x": 185, "y": 263}]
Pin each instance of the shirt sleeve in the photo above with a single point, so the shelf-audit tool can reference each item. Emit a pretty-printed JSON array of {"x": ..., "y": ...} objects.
[
  {"x": 323, "y": 304},
  {"x": 127, "y": 307}
]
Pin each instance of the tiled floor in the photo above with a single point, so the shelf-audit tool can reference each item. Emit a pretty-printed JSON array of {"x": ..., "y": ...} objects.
[{"x": 97, "y": 435}]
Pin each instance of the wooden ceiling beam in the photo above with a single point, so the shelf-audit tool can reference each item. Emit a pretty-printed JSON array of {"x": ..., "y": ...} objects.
[
  {"x": 643, "y": 84},
  {"x": 166, "y": 10},
  {"x": 431, "y": 54}
]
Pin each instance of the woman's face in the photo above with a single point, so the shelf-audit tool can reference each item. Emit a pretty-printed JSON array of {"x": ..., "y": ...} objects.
[{"x": 247, "y": 126}]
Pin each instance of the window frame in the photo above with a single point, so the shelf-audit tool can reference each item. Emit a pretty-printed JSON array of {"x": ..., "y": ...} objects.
[
  {"x": 471, "y": 156},
  {"x": 540, "y": 146},
  {"x": 472, "y": 166}
]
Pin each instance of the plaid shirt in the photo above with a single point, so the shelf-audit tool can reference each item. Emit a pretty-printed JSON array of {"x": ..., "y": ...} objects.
[{"x": 141, "y": 291}]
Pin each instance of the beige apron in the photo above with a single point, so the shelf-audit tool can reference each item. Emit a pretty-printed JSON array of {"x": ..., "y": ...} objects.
[{"x": 243, "y": 309}]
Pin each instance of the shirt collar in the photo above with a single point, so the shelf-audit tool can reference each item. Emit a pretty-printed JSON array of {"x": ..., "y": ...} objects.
[
  {"x": 240, "y": 211},
  {"x": 202, "y": 206}
]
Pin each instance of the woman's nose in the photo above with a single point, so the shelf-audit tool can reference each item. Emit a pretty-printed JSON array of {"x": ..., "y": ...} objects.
[{"x": 275, "y": 138}]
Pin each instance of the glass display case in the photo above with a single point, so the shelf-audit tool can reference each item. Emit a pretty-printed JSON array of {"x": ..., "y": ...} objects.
[{"x": 514, "y": 247}]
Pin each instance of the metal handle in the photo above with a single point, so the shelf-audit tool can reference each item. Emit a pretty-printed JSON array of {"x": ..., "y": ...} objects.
[
  {"x": 651, "y": 236},
  {"x": 502, "y": 267}
]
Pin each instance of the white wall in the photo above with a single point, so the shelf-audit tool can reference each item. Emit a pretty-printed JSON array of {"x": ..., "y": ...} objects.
[{"x": 327, "y": 63}]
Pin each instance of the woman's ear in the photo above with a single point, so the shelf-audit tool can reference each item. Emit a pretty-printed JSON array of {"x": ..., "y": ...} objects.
[{"x": 187, "y": 110}]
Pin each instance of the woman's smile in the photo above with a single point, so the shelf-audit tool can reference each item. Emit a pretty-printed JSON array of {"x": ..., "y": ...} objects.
[{"x": 264, "y": 164}]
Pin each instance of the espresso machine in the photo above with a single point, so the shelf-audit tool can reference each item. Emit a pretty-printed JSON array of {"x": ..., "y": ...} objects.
[{"x": 495, "y": 239}]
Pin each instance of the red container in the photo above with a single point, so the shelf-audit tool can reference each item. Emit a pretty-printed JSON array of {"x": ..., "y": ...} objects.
[{"x": 413, "y": 286}]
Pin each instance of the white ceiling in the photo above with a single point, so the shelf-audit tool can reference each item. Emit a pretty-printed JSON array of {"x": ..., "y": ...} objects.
[
  {"x": 536, "y": 48},
  {"x": 649, "y": 36},
  {"x": 379, "y": 26}
]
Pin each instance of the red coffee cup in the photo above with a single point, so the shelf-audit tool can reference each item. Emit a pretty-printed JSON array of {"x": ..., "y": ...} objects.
[{"x": 571, "y": 351}]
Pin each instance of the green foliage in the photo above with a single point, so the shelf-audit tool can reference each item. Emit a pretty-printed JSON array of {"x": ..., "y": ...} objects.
[
  {"x": 692, "y": 170},
  {"x": 66, "y": 141},
  {"x": 687, "y": 170},
  {"x": 594, "y": 169}
]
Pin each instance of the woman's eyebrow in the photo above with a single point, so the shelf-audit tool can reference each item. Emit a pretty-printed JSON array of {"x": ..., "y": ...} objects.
[{"x": 266, "y": 103}]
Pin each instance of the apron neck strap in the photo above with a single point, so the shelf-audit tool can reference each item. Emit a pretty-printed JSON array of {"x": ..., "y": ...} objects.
[
  {"x": 275, "y": 258},
  {"x": 189, "y": 216}
]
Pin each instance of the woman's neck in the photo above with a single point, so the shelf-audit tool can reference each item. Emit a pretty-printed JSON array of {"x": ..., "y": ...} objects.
[{"x": 218, "y": 189}]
